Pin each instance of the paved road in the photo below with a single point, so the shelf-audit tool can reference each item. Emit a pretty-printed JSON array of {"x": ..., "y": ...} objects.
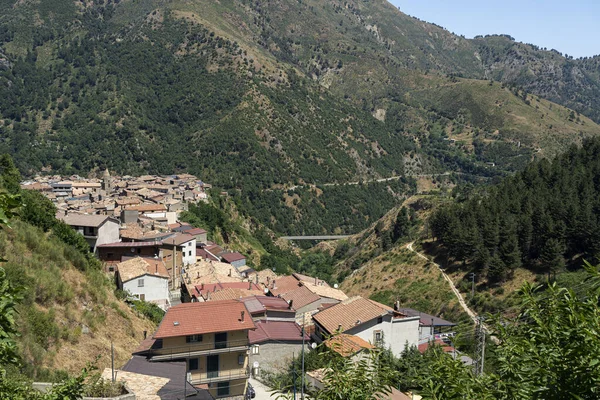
[
  {"x": 262, "y": 391},
  {"x": 322, "y": 237}
]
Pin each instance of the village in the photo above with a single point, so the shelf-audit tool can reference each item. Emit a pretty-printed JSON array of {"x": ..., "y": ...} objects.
[{"x": 226, "y": 324}]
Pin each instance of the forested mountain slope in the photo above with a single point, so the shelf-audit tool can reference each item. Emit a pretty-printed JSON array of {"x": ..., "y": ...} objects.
[
  {"x": 261, "y": 96},
  {"x": 544, "y": 218}
]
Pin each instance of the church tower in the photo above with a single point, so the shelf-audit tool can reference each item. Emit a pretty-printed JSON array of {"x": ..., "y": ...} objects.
[{"x": 106, "y": 185}]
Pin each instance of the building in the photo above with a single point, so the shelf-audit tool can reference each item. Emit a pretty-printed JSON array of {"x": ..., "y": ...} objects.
[
  {"x": 373, "y": 322},
  {"x": 200, "y": 234},
  {"x": 429, "y": 325},
  {"x": 184, "y": 244},
  {"x": 106, "y": 182},
  {"x": 273, "y": 344},
  {"x": 118, "y": 251},
  {"x": 96, "y": 229},
  {"x": 350, "y": 346},
  {"x": 234, "y": 258},
  {"x": 212, "y": 338},
  {"x": 269, "y": 308},
  {"x": 145, "y": 279}
]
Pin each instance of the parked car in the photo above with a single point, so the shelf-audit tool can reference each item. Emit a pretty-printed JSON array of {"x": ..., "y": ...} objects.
[{"x": 250, "y": 393}]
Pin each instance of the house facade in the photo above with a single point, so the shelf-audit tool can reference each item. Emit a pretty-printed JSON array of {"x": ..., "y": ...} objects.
[
  {"x": 273, "y": 344},
  {"x": 212, "y": 337},
  {"x": 373, "y": 322},
  {"x": 96, "y": 229},
  {"x": 145, "y": 279}
]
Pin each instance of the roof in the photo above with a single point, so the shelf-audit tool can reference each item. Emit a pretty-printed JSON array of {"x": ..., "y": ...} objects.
[
  {"x": 146, "y": 207},
  {"x": 266, "y": 331},
  {"x": 195, "y": 231},
  {"x": 347, "y": 345},
  {"x": 283, "y": 284},
  {"x": 426, "y": 319},
  {"x": 130, "y": 244},
  {"x": 438, "y": 342},
  {"x": 201, "y": 318},
  {"x": 172, "y": 371},
  {"x": 232, "y": 257},
  {"x": 136, "y": 267},
  {"x": 300, "y": 297},
  {"x": 229, "y": 293},
  {"x": 350, "y": 313},
  {"x": 178, "y": 240},
  {"x": 306, "y": 278},
  {"x": 205, "y": 254},
  {"x": 326, "y": 291},
  {"x": 260, "y": 304},
  {"x": 84, "y": 219},
  {"x": 234, "y": 290}
]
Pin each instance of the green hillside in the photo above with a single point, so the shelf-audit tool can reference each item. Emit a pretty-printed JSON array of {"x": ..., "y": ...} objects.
[{"x": 261, "y": 97}]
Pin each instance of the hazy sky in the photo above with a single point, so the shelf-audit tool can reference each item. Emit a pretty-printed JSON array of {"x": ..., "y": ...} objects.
[{"x": 571, "y": 27}]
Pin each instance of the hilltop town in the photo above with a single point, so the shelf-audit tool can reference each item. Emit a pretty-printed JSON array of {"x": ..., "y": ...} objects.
[{"x": 225, "y": 323}]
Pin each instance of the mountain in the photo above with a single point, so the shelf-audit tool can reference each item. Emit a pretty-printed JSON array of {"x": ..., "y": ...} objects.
[{"x": 263, "y": 97}]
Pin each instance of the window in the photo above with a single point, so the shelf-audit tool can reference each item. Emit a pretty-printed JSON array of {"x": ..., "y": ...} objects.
[
  {"x": 223, "y": 389},
  {"x": 241, "y": 359},
  {"x": 190, "y": 253},
  {"x": 379, "y": 320},
  {"x": 378, "y": 338},
  {"x": 255, "y": 349},
  {"x": 193, "y": 364},
  {"x": 193, "y": 338},
  {"x": 220, "y": 340},
  {"x": 140, "y": 283}
]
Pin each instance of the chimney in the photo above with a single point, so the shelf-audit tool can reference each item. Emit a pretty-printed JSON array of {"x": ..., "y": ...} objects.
[
  {"x": 243, "y": 312},
  {"x": 257, "y": 279},
  {"x": 208, "y": 296},
  {"x": 339, "y": 327},
  {"x": 290, "y": 304},
  {"x": 198, "y": 275},
  {"x": 249, "y": 285},
  {"x": 202, "y": 286},
  {"x": 229, "y": 272},
  {"x": 397, "y": 305},
  {"x": 316, "y": 281},
  {"x": 145, "y": 334},
  {"x": 273, "y": 285},
  {"x": 156, "y": 265}
]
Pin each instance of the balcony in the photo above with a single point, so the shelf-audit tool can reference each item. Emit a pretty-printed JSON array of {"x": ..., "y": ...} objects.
[
  {"x": 198, "y": 349},
  {"x": 219, "y": 376}
]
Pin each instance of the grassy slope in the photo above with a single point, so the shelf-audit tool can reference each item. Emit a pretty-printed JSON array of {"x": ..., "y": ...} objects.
[{"x": 67, "y": 317}]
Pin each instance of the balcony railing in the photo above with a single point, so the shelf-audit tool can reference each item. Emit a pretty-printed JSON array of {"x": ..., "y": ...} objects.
[
  {"x": 219, "y": 376},
  {"x": 197, "y": 349}
]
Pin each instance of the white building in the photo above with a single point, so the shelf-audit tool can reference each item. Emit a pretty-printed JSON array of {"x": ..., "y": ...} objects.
[
  {"x": 184, "y": 243},
  {"x": 146, "y": 279},
  {"x": 373, "y": 322},
  {"x": 96, "y": 229}
]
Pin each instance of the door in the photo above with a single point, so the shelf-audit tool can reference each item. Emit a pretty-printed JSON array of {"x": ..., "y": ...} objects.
[
  {"x": 220, "y": 340},
  {"x": 142, "y": 297},
  {"x": 212, "y": 366}
]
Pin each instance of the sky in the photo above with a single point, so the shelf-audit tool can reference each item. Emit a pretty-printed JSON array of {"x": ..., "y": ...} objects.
[{"x": 571, "y": 27}]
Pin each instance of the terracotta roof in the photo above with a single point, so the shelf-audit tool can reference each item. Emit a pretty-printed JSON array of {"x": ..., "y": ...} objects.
[
  {"x": 146, "y": 207},
  {"x": 195, "y": 231},
  {"x": 300, "y": 297},
  {"x": 326, "y": 291},
  {"x": 438, "y": 342},
  {"x": 205, "y": 254},
  {"x": 232, "y": 257},
  {"x": 136, "y": 267},
  {"x": 260, "y": 304},
  {"x": 130, "y": 244},
  {"x": 288, "y": 331},
  {"x": 201, "y": 318},
  {"x": 350, "y": 313},
  {"x": 347, "y": 345},
  {"x": 83, "y": 219},
  {"x": 242, "y": 289},
  {"x": 178, "y": 240},
  {"x": 229, "y": 293},
  {"x": 310, "y": 279},
  {"x": 283, "y": 284}
]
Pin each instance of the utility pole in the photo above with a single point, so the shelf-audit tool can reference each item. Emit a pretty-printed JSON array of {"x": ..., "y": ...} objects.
[
  {"x": 302, "y": 372},
  {"x": 294, "y": 372},
  {"x": 479, "y": 348},
  {"x": 472, "y": 285},
  {"x": 112, "y": 360}
]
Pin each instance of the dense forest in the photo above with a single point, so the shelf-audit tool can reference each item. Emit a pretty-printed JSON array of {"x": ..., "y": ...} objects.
[{"x": 544, "y": 218}]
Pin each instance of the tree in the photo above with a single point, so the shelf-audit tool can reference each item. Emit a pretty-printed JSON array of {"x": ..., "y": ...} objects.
[
  {"x": 10, "y": 177},
  {"x": 401, "y": 226},
  {"x": 551, "y": 257},
  {"x": 38, "y": 210},
  {"x": 548, "y": 351}
]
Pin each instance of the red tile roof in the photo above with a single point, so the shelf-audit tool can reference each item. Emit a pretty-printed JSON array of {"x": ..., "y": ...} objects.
[
  {"x": 260, "y": 304},
  {"x": 276, "y": 331},
  {"x": 300, "y": 297},
  {"x": 178, "y": 240},
  {"x": 146, "y": 207},
  {"x": 232, "y": 257},
  {"x": 249, "y": 288},
  {"x": 195, "y": 231},
  {"x": 347, "y": 345},
  {"x": 438, "y": 342},
  {"x": 130, "y": 244},
  {"x": 201, "y": 318},
  {"x": 350, "y": 313},
  {"x": 283, "y": 284},
  {"x": 205, "y": 254}
]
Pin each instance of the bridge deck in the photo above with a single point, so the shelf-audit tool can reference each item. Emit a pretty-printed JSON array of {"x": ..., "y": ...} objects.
[{"x": 322, "y": 237}]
